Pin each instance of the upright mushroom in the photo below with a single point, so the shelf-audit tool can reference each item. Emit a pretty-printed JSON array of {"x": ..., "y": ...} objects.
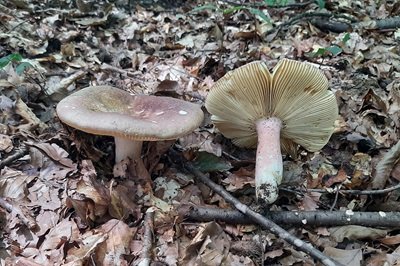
[
  {"x": 130, "y": 119},
  {"x": 291, "y": 106}
]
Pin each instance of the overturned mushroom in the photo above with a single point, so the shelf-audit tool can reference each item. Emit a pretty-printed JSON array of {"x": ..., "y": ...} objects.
[
  {"x": 130, "y": 119},
  {"x": 291, "y": 106}
]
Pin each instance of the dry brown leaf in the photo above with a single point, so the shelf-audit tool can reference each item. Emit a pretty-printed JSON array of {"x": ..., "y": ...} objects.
[
  {"x": 55, "y": 152},
  {"x": 385, "y": 167},
  {"x": 355, "y": 232},
  {"x": 64, "y": 232},
  {"x": 111, "y": 251},
  {"x": 209, "y": 247},
  {"x": 239, "y": 179},
  {"x": 6, "y": 144},
  {"x": 351, "y": 257},
  {"x": 86, "y": 248},
  {"x": 310, "y": 201},
  {"x": 13, "y": 183},
  {"x": 391, "y": 240}
]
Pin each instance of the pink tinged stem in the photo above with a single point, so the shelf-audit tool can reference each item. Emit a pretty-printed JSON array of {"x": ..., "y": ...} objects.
[
  {"x": 269, "y": 164},
  {"x": 125, "y": 148}
]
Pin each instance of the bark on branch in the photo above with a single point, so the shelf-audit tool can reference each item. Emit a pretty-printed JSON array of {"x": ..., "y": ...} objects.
[
  {"x": 254, "y": 216},
  {"x": 310, "y": 218}
]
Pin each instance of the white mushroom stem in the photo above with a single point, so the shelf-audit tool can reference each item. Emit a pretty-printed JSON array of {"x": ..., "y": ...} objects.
[
  {"x": 269, "y": 164},
  {"x": 125, "y": 148}
]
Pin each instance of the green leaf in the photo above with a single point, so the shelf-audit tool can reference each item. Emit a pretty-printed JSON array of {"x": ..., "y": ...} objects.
[
  {"x": 269, "y": 2},
  {"x": 207, "y": 162},
  {"x": 230, "y": 10},
  {"x": 259, "y": 13},
  {"x": 278, "y": 3},
  {"x": 346, "y": 37},
  {"x": 321, "y": 3},
  {"x": 21, "y": 67},
  {"x": 319, "y": 52},
  {"x": 204, "y": 7},
  {"x": 4, "y": 61},
  {"x": 15, "y": 57},
  {"x": 334, "y": 49},
  {"x": 9, "y": 58}
]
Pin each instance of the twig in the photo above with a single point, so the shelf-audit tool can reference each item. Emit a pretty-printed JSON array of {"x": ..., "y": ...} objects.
[
  {"x": 335, "y": 201},
  {"x": 308, "y": 16},
  {"x": 257, "y": 5},
  {"x": 147, "y": 238},
  {"x": 256, "y": 217},
  {"x": 343, "y": 191},
  {"x": 6, "y": 10},
  {"x": 311, "y": 218},
  {"x": 105, "y": 66},
  {"x": 384, "y": 24},
  {"x": 29, "y": 222},
  {"x": 19, "y": 154}
]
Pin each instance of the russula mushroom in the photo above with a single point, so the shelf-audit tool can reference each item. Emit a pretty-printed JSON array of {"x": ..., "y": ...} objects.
[
  {"x": 290, "y": 107},
  {"x": 130, "y": 119}
]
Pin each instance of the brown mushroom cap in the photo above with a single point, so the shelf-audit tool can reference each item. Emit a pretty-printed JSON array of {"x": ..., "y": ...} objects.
[
  {"x": 296, "y": 92},
  {"x": 105, "y": 110}
]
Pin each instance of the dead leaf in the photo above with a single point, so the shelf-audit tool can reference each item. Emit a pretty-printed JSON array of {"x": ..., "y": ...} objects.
[
  {"x": 391, "y": 240},
  {"x": 6, "y": 144},
  {"x": 355, "y": 232},
  {"x": 55, "y": 152},
  {"x": 13, "y": 184},
  {"x": 209, "y": 247},
  {"x": 351, "y": 257},
  {"x": 385, "y": 167},
  {"x": 110, "y": 252}
]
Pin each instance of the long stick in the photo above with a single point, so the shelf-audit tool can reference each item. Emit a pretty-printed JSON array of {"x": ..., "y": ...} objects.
[
  {"x": 311, "y": 218},
  {"x": 258, "y": 218}
]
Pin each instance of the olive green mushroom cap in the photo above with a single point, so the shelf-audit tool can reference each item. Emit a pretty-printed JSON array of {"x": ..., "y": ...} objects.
[
  {"x": 296, "y": 92},
  {"x": 105, "y": 110}
]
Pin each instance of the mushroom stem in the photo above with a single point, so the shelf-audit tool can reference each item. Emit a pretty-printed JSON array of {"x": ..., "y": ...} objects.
[
  {"x": 269, "y": 159},
  {"x": 127, "y": 148}
]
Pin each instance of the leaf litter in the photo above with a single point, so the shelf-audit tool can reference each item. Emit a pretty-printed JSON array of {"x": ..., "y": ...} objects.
[{"x": 63, "y": 205}]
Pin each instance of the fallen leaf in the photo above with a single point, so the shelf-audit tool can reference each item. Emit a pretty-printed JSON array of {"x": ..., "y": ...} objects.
[{"x": 352, "y": 257}]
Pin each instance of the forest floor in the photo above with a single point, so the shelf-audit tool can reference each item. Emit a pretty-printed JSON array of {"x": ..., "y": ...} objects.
[{"x": 60, "y": 202}]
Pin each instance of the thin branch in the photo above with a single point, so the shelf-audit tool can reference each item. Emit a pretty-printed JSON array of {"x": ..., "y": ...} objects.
[
  {"x": 258, "y": 5},
  {"x": 147, "y": 238},
  {"x": 343, "y": 191},
  {"x": 335, "y": 201},
  {"x": 256, "y": 217},
  {"x": 384, "y": 24},
  {"x": 299, "y": 218},
  {"x": 308, "y": 16}
]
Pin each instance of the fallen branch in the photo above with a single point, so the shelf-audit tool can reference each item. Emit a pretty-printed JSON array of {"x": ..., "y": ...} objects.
[
  {"x": 382, "y": 24},
  {"x": 340, "y": 22},
  {"x": 308, "y": 16},
  {"x": 311, "y": 218},
  {"x": 264, "y": 5},
  {"x": 256, "y": 217},
  {"x": 147, "y": 238},
  {"x": 343, "y": 191}
]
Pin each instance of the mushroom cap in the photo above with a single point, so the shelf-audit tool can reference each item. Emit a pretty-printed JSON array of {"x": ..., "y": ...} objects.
[
  {"x": 105, "y": 110},
  {"x": 296, "y": 92}
]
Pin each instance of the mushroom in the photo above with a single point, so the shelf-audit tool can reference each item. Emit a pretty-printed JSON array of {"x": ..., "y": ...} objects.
[
  {"x": 130, "y": 119},
  {"x": 290, "y": 107}
]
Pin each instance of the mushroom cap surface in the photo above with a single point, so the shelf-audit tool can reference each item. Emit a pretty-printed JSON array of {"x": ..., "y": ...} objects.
[
  {"x": 105, "y": 110},
  {"x": 296, "y": 92}
]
